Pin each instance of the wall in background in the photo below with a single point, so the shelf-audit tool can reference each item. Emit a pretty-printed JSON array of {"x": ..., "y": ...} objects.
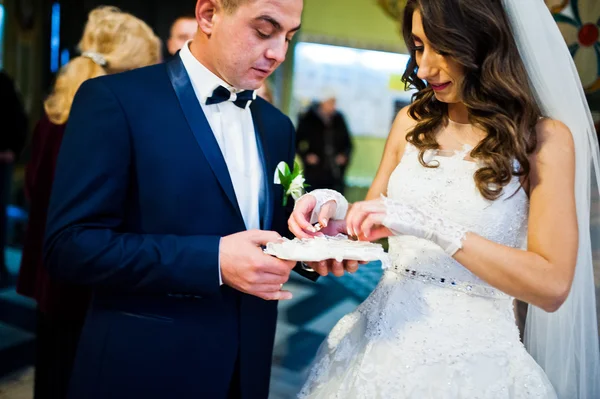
[
  {"x": 24, "y": 48},
  {"x": 357, "y": 24},
  {"x": 360, "y": 24}
]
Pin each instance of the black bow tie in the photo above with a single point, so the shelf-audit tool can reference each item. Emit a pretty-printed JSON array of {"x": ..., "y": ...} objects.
[{"x": 221, "y": 94}]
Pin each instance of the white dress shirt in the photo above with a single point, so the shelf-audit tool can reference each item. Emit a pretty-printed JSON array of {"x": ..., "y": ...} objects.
[{"x": 233, "y": 128}]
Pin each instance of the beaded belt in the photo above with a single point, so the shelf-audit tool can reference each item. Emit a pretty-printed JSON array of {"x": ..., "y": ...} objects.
[{"x": 462, "y": 286}]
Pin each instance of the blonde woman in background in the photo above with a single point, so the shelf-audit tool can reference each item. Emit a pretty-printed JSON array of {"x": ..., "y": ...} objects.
[{"x": 112, "y": 42}]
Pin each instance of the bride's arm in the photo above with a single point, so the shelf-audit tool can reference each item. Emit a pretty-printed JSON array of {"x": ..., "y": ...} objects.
[
  {"x": 300, "y": 221},
  {"x": 543, "y": 274},
  {"x": 392, "y": 153}
]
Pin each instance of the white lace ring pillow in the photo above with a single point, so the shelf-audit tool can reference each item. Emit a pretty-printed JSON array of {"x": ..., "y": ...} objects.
[{"x": 322, "y": 248}]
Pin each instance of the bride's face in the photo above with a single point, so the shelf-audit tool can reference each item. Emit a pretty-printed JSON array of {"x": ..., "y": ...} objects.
[{"x": 443, "y": 74}]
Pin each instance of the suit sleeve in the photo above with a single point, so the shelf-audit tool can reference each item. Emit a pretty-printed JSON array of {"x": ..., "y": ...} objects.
[{"x": 86, "y": 240}]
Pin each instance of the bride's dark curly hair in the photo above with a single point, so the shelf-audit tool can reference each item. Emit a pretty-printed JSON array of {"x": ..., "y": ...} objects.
[{"x": 496, "y": 89}]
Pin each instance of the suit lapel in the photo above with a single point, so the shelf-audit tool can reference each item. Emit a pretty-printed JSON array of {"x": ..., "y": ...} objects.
[
  {"x": 200, "y": 128},
  {"x": 263, "y": 150}
]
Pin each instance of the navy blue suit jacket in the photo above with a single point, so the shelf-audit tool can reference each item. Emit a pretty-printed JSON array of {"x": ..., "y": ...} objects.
[{"x": 141, "y": 198}]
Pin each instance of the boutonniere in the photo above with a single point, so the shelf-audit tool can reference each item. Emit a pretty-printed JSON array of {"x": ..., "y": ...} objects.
[{"x": 292, "y": 181}]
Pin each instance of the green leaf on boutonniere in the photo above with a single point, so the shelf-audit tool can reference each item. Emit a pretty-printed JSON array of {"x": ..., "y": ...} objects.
[{"x": 292, "y": 181}]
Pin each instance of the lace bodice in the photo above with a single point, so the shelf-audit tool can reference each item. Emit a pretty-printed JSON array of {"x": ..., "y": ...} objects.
[
  {"x": 431, "y": 329},
  {"x": 450, "y": 191}
]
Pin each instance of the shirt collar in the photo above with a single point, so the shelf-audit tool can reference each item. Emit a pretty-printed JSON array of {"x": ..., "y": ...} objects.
[{"x": 203, "y": 80}]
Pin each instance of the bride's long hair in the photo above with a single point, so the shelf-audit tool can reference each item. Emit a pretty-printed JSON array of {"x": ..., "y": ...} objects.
[{"x": 496, "y": 90}]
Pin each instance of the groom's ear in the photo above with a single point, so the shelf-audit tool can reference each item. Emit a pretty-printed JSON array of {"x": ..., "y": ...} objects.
[{"x": 205, "y": 11}]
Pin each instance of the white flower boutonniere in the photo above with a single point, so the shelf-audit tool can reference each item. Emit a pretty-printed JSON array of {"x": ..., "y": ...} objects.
[{"x": 292, "y": 181}]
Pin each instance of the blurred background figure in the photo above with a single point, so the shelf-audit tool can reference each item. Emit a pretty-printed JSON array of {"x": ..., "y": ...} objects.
[
  {"x": 112, "y": 42},
  {"x": 183, "y": 29},
  {"x": 12, "y": 141},
  {"x": 265, "y": 92},
  {"x": 324, "y": 144}
]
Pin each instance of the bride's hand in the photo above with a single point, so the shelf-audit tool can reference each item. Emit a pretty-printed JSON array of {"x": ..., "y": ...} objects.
[
  {"x": 365, "y": 220},
  {"x": 299, "y": 221}
]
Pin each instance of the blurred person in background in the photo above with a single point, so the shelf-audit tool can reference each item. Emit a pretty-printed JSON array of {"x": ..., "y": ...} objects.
[
  {"x": 324, "y": 144},
  {"x": 183, "y": 29},
  {"x": 112, "y": 42},
  {"x": 12, "y": 140}
]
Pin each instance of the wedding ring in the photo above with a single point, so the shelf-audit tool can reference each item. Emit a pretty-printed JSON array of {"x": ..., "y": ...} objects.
[
  {"x": 280, "y": 286},
  {"x": 317, "y": 227}
]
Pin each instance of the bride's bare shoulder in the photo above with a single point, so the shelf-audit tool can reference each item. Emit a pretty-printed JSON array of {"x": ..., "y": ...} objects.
[{"x": 403, "y": 124}]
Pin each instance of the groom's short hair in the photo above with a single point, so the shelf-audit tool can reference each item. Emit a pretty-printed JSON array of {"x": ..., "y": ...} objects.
[{"x": 231, "y": 5}]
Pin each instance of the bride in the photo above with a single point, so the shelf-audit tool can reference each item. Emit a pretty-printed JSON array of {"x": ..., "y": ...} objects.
[{"x": 487, "y": 176}]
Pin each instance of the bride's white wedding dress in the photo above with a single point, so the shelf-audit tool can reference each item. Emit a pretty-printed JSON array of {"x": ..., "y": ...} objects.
[{"x": 432, "y": 329}]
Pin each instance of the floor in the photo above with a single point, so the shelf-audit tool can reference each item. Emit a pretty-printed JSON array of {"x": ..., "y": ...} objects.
[
  {"x": 303, "y": 323},
  {"x": 17, "y": 338}
]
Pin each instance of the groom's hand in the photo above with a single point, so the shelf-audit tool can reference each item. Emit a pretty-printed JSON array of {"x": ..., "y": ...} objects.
[
  {"x": 325, "y": 267},
  {"x": 246, "y": 268}
]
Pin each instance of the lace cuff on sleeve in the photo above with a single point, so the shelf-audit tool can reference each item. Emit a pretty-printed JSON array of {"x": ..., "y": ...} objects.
[
  {"x": 408, "y": 220},
  {"x": 324, "y": 195}
]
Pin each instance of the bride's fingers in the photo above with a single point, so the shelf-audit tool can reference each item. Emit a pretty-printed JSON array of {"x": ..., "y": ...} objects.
[
  {"x": 303, "y": 223},
  {"x": 374, "y": 207},
  {"x": 357, "y": 222},
  {"x": 353, "y": 214},
  {"x": 371, "y": 221},
  {"x": 327, "y": 212},
  {"x": 378, "y": 232},
  {"x": 296, "y": 230},
  {"x": 302, "y": 211}
]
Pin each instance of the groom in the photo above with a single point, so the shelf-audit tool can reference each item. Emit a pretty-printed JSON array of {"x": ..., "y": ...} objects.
[{"x": 162, "y": 200}]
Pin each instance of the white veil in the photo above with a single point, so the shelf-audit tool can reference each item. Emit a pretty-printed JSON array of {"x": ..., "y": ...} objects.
[{"x": 564, "y": 343}]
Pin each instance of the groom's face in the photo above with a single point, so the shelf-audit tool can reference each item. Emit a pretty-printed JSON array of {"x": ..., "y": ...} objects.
[{"x": 251, "y": 41}]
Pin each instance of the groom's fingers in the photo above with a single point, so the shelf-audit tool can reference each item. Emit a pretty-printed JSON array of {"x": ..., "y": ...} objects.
[
  {"x": 337, "y": 268},
  {"x": 262, "y": 237},
  {"x": 272, "y": 279},
  {"x": 332, "y": 266},
  {"x": 267, "y": 288},
  {"x": 274, "y": 296},
  {"x": 351, "y": 266},
  {"x": 320, "y": 267},
  {"x": 280, "y": 267}
]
